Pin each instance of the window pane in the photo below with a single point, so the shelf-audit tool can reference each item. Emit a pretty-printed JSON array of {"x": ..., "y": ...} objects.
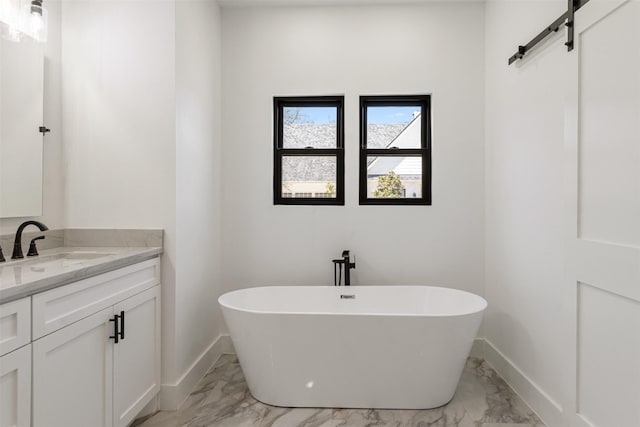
[
  {"x": 309, "y": 176},
  {"x": 309, "y": 127},
  {"x": 389, "y": 127},
  {"x": 394, "y": 177}
]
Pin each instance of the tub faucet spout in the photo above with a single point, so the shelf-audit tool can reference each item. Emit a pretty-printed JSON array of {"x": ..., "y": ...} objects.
[{"x": 348, "y": 265}]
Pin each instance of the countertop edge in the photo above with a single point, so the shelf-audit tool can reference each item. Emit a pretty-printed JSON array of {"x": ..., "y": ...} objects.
[{"x": 41, "y": 285}]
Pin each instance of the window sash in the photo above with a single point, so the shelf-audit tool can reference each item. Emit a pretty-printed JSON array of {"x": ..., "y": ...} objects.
[
  {"x": 422, "y": 101},
  {"x": 280, "y": 103}
]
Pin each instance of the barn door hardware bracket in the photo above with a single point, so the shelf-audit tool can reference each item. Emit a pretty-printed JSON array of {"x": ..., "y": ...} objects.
[{"x": 566, "y": 19}]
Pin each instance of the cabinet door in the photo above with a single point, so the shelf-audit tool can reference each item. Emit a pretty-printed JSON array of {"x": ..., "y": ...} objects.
[
  {"x": 15, "y": 388},
  {"x": 72, "y": 374},
  {"x": 15, "y": 325},
  {"x": 136, "y": 376}
]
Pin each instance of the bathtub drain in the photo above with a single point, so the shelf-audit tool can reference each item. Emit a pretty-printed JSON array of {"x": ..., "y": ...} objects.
[{"x": 342, "y": 296}]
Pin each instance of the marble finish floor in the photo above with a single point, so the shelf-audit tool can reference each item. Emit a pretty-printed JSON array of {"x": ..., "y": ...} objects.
[{"x": 222, "y": 399}]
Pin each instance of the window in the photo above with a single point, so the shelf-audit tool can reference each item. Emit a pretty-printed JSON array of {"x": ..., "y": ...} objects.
[
  {"x": 308, "y": 166},
  {"x": 395, "y": 150}
]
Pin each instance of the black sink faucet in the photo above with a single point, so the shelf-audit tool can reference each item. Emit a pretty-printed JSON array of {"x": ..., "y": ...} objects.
[{"x": 17, "y": 244}]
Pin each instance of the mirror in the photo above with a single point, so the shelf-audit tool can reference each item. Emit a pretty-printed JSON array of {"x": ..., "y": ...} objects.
[{"x": 21, "y": 115}]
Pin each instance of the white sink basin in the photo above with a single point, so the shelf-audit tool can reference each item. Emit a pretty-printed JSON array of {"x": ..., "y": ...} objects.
[
  {"x": 56, "y": 261},
  {"x": 82, "y": 255},
  {"x": 61, "y": 258}
]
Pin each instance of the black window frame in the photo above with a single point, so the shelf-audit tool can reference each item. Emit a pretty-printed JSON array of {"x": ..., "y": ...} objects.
[
  {"x": 423, "y": 101},
  {"x": 279, "y": 103}
]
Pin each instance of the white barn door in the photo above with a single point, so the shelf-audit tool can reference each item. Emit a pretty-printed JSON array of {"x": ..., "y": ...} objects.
[{"x": 603, "y": 159}]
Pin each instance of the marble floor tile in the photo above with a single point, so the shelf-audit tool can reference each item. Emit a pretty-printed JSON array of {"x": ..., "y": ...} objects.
[{"x": 222, "y": 399}]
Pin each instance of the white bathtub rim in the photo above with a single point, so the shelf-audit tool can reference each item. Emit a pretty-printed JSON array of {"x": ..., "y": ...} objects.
[{"x": 483, "y": 303}]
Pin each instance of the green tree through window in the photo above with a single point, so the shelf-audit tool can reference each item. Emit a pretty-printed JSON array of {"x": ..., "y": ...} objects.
[{"x": 389, "y": 186}]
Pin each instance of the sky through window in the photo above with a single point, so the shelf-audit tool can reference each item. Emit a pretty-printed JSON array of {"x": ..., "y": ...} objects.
[{"x": 375, "y": 115}]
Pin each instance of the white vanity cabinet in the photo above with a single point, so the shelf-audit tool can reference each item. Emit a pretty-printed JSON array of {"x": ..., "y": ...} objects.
[{"x": 81, "y": 375}]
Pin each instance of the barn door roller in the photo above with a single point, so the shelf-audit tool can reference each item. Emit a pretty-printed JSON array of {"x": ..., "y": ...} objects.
[{"x": 566, "y": 19}]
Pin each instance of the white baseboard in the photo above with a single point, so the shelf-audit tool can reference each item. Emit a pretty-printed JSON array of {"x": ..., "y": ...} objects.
[
  {"x": 172, "y": 396},
  {"x": 151, "y": 408},
  {"x": 538, "y": 400}
]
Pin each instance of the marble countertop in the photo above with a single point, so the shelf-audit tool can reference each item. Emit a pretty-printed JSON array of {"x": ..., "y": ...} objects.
[{"x": 63, "y": 265}]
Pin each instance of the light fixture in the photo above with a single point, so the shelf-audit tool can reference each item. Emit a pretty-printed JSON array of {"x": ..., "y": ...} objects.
[{"x": 37, "y": 21}]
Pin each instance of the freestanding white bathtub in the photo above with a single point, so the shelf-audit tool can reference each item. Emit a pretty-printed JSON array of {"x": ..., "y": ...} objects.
[{"x": 396, "y": 347}]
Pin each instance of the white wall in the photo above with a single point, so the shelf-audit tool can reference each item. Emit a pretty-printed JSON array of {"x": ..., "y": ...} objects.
[
  {"x": 119, "y": 113},
  {"x": 525, "y": 254},
  {"x": 53, "y": 185},
  {"x": 434, "y": 48},
  {"x": 198, "y": 164}
]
